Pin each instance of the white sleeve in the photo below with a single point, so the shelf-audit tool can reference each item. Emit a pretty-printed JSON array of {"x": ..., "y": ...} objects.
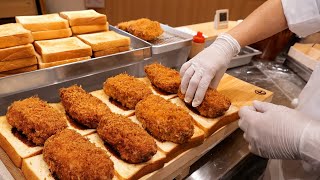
[{"x": 303, "y": 16}]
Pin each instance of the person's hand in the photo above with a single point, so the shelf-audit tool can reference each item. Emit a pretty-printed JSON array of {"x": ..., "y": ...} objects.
[
  {"x": 207, "y": 68},
  {"x": 274, "y": 131}
]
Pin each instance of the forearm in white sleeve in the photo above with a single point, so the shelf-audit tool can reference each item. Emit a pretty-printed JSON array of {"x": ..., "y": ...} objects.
[{"x": 303, "y": 16}]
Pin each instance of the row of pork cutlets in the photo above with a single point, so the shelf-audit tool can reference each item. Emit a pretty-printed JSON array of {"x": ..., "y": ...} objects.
[{"x": 66, "y": 151}]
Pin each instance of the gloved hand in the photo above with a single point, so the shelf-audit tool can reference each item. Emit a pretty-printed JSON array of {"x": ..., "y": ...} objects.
[
  {"x": 277, "y": 132},
  {"x": 207, "y": 68}
]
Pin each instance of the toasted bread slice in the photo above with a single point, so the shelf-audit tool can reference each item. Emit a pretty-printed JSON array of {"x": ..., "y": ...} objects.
[
  {"x": 14, "y": 34},
  {"x": 89, "y": 28},
  {"x": 20, "y": 70},
  {"x": 115, "y": 107},
  {"x": 51, "y": 34},
  {"x": 43, "y": 65},
  {"x": 111, "y": 51},
  {"x": 210, "y": 125},
  {"x": 43, "y": 22},
  {"x": 62, "y": 49},
  {"x": 171, "y": 149},
  {"x": 105, "y": 40},
  {"x": 124, "y": 170},
  {"x": 84, "y": 17},
  {"x": 157, "y": 91},
  {"x": 17, "y": 63},
  {"x": 17, "y": 52}
]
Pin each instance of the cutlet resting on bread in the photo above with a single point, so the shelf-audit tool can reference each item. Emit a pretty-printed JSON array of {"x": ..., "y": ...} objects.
[
  {"x": 213, "y": 105},
  {"x": 164, "y": 120},
  {"x": 164, "y": 78},
  {"x": 131, "y": 141},
  {"x": 82, "y": 106},
  {"x": 71, "y": 156},
  {"x": 36, "y": 119},
  {"x": 126, "y": 89}
]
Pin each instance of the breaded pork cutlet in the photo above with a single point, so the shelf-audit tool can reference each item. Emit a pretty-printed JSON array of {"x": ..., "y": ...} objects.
[
  {"x": 131, "y": 141},
  {"x": 126, "y": 89},
  {"x": 213, "y": 105},
  {"x": 143, "y": 28},
  {"x": 164, "y": 120},
  {"x": 82, "y": 106},
  {"x": 164, "y": 78},
  {"x": 71, "y": 156},
  {"x": 36, "y": 119}
]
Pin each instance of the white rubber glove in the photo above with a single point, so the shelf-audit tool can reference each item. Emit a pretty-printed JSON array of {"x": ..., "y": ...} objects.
[
  {"x": 207, "y": 68},
  {"x": 278, "y": 132}
]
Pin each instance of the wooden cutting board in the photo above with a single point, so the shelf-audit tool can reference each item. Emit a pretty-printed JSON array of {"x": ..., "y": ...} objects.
[{"x": 241, "y": 94}]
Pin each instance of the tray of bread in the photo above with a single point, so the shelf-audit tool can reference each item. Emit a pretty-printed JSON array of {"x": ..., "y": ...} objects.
[
  {"x": 115, "y": 127},
  {"x": 163, "y": 38}
]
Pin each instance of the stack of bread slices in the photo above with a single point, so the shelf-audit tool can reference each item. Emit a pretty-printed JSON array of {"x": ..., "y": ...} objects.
[
  {"x": 49, "y": 26},
  {"x": 86, "y": 21},
  {"x": 17, "y": 55}
]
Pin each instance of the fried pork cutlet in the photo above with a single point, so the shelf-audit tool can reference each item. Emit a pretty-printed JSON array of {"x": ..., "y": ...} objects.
[
  {"x": 143, "y": 28},
  {"x": 132, "y": 142},
  {"x": 36, "y": 119},
  {"x": 126, "y": 89},
  {"x": 213, "y": 105},
  {"x": 71, "y": 156},
  {"x": 82, "y": 106},
  {"x": 164, "y": 78},
  {"x": 164, "y": 120}
]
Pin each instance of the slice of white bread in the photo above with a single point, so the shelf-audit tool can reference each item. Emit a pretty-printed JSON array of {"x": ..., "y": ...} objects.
[
  {"x": 17, "y": 52},
  {"x": 17, "y": 63},
  {"x": 89, "y": 28},
  {"x": 105, "y": 40},
  {"x": 124, "y": 170},
  {"x": 114, "y": 107},
  {"x": 43, "y": 65},
  {"x": 84, "y": 17},
  {"x": 111, "y": 51},
  {"x": 51, "y": 34},
  {"x": 62, "y": 49},
  {"x": 20, "y": 70},
  {"x": 14, "y": 34},
  {"x": 171, "y": 149},
  {"x": 42, "y": 22},
  {"x": 303, "y": 47},
  {"x": 314, "y": 53},
  {"x": 157, "y": 91},
  {"x": 210, "y": 125}
]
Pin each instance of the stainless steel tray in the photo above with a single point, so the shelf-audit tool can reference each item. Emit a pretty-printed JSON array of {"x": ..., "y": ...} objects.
[{"x": 244, "y": 57}]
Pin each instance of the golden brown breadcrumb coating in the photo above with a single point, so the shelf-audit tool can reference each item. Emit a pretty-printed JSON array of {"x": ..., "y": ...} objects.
[
  {"x": 126, "y": 89},
  {"x": 71, "y": 156},
  {"x": 131, "y": 141},
  {"x": 82, "y": 106},
  {"x": 164, "y": 78},
  {"x": 164, "y": 120},
  {"x": 213, "y": 105},
  {"x": 143, "y": 28},
  {"x": 36, "y": 119}
]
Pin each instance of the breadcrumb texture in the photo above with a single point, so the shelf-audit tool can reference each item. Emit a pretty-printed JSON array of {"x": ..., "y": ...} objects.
[
  {"x": 82, "y": 106},
  {"x": 164, "y": 120},
  {"x": 71, "y": 156},
  {"x": 143, "y": 28},
  {"x": 36, "y": 119},
  {"x": 213, "y": 105},
  {"x": 126, "y": 89},
  {"x": 164, "y": 78},
  {"x": 131, "y": 141}
]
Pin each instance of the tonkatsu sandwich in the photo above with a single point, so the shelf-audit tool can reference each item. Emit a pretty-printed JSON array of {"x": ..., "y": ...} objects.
[
  {"x": 164, "y": 120},
  {"x": 126, "y": 89},
  {"x": 82, "y": 106},
  {"x": 163, "y": 78},
  {"x": 213, "y": 105},
  {"x": 71, "y": 156},
  {"x": 36, "y": 119},
  {"x": 131, "y": 141}
]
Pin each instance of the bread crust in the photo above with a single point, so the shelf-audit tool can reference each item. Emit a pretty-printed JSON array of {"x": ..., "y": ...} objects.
[
  {"x": 17, "y": 64},
  {"x": 17, "y": 52},
  {"x": 89, "y": 29},
  {"x": 111, "y": 51},
  {"x": 13, "y": 34},
  {"x": 52, "y": 34}
]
